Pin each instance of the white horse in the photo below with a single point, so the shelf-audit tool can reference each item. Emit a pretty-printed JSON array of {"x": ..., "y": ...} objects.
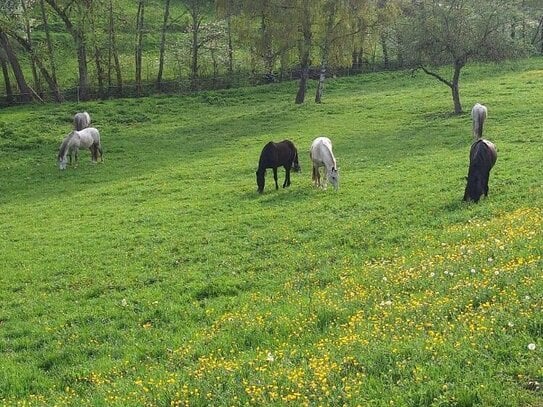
[
  {"x": 86, "y": 138},
  {"x": 82, "y": 120},
  {"x": 322, "y": 156},
  {"x": 478, "y": 116}
]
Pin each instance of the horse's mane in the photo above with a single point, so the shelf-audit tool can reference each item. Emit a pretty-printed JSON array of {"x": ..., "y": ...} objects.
[{"x": 64, "y": 145}]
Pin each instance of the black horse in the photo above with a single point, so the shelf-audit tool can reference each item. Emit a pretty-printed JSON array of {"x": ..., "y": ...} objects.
[
  {"x": 276, "y": 155},
  {"x": 482, "y": 157}
]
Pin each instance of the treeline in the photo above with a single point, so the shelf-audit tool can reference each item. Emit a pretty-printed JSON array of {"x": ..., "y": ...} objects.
[{"x": 58, "y": 49}]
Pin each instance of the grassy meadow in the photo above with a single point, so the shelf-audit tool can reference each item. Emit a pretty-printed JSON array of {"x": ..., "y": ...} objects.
[{"x": 161, "y": 278}]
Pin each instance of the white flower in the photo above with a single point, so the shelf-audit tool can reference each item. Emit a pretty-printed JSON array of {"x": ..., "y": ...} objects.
[
  {"x": 432, "y": 274},
  {"x": 386, "y": 303},
  {"x": 385, "y": 279},
  {"x": 531, "y": 346},
  {"x": 124, "y": 303},
  {"x": 472, "y": 271},
  {"x": 490, "y": 259},
  {"x": 270, "y": 357}
]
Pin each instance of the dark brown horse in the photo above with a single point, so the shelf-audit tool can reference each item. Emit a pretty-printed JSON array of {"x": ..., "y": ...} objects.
[
  {"x": 482, "y": 157},
  {"x": 283, "y": 154}
]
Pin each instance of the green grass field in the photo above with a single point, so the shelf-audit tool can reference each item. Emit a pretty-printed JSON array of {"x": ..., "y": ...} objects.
[{"x": 161, "y": 277}]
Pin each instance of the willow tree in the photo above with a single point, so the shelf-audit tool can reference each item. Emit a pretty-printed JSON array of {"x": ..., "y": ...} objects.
[{"x": 454, "y": 32}]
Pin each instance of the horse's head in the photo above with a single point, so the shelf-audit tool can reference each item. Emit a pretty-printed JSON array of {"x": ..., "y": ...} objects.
[
  {"x": 62, "y": 161},
  {"x": 260, "y": 180},
  {"x": 333, "y": 177},
  {"x": 474, "y": 188}
]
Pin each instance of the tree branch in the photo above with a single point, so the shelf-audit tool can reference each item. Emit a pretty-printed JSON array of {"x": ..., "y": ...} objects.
[{"x": 437, "y": 76}]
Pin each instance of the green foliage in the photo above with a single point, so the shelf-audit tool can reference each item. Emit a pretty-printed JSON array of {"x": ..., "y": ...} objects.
[{"x": 161, "y": 277}]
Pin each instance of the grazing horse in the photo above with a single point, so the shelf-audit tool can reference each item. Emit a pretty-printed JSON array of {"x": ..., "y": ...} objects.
[
  {"x": 322, "y": 156},
  {"x": 86, "y": 138},
  {"x": 276, "y": 155},
  {"x": 82, "y": 120},
  {"x": 478, "y": 116},
  {"x": 482, "y": 157}
]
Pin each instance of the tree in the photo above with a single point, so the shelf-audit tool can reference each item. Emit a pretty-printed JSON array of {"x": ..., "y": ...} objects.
[
  {"x": 56, "y": 90},
  {"x": 139, "y": 44},
  {"x": 11, "y": 56},
  {"x": 454, "y": 32},
  {"x": 304, "y": 48},
  {"x": 197, "y": 10},
  {"x": 163, "y": 44},
  {"x": 113, "y": 53},
  {"x": 77, "y": 30}
]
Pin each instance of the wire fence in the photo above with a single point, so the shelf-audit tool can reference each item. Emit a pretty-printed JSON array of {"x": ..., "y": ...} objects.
[{"x": 182, "y": 86}]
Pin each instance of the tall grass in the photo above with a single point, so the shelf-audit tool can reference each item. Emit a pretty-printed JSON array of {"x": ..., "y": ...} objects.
[{"x": 161, "y": 277}]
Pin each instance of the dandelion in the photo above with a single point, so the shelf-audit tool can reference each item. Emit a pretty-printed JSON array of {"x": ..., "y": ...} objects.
[{"x": 531, "y": 346}]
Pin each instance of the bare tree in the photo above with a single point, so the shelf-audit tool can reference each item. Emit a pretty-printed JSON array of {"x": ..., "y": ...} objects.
[
  {"x": 77, "y": 31},
  {"x": 163, "y": 44},
  {"x": 139, "y": 42}
]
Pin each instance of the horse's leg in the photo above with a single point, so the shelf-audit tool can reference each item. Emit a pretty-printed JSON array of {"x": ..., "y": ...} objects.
[
  {"x": 101, "y": 153},
  {"x": 275, "y": 177},
  {"x": 287, "y": 177},
  {"x": 92, "y": 149},
  {"x": 314, "y": 176},
  {"x": 76, "y": 157}
]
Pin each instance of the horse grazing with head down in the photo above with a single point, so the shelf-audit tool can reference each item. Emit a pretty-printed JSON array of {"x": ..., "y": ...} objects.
[
  {"x": 283, "y": 154},
  {"x": 86, "y": 138},
  {"x": 478, "y": 116},
  {"x": 322, "y": 156},
  {"x": 482, "y": 157},
  {"x": 82, "y": 120}
]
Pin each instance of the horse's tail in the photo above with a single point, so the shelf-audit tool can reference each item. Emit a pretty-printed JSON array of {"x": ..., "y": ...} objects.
[
  {"x": 479, "y": 115},
  {"x": 295, "y": 162},
  {"x": 81, "y": 121}
]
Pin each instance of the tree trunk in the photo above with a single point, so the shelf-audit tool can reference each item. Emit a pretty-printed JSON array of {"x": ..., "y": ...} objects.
[
  {"x": 331, "y": 14},
  {"x": 37, "y": 84},
  {"x": 56, "y": 90},
  {"x": 53, "y": 86},
  {"x": 384, "y": 47},
  {"x": 267, "y": 48},
  {"x": 7, "y": 82},
  {"x": 113, "y": 54},
  {"x": 455, "y": 88},
  {"x": 26, "y": 95},
  {"x": 195, "y": 46},
  {"x": 162, "y": 45},
  {"x": 305, "y": 49},
  {"x": 97, "y": 53},
  {"x": 139, "y": 49},
  {"x": 230, "y": 46}
]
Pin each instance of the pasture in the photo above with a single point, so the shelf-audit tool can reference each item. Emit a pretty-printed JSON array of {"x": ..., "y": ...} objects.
[{"x": 161, "y": 277}]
